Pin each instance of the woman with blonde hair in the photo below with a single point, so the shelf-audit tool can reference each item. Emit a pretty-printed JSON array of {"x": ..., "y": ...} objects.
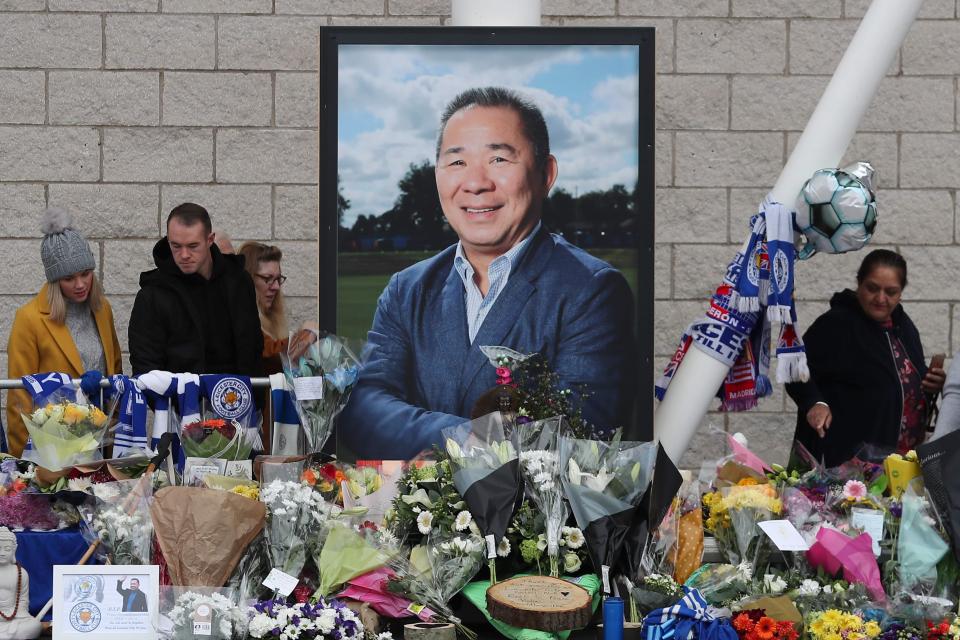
[{"x": 67, "y": 327}]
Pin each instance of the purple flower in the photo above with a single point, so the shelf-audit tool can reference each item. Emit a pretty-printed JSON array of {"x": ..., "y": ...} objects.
[{"x": 8, "y": 466}]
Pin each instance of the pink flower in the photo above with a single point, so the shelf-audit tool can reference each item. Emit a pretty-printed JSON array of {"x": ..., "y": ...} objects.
[
  {"x": 503, "y": 372},
  {"x": 854, "y": 490}
]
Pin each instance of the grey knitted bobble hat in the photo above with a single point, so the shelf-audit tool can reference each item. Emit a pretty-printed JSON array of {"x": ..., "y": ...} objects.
[{"x": 63, "y": 250}]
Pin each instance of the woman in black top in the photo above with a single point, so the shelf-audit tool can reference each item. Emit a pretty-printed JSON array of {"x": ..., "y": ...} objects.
[{"x": 868, "y": 383}]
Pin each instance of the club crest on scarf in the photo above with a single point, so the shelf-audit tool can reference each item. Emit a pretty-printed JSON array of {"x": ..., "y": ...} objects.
[
  {"x": 756, "y": 289},
  {"x": 231, "y": 398}
]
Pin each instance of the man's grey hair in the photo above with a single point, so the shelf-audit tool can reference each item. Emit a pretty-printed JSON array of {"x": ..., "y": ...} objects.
[{"x": 534, "y": 124}]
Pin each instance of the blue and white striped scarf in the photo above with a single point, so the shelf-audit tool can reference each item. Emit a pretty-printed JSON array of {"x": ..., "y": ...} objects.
[{"x": 689, "y": 619}]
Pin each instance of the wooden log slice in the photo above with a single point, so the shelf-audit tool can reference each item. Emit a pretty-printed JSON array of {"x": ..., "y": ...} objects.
[
  {"x": 429, "y": 631},
  {"x": 540, "y": 602}
]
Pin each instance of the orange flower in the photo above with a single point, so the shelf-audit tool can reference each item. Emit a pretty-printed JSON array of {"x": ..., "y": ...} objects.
[
  {"x": 743, "y": 623},
  {"x": 765, "y": 628},
  {"x": 747, "y": 482},
  {"x": 309, "y": 476}
]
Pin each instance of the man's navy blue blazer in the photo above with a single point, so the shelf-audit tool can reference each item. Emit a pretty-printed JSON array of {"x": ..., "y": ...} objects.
[{"x": 423, "y": 374}]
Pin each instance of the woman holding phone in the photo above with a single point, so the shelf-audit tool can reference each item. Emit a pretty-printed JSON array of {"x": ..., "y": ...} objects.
[{"x": 869, "y": 382}]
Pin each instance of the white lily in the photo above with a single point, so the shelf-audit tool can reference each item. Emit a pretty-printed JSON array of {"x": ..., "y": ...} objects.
[
  {"x": 573, "y": 470},
  {"x": 418, "y": 497},
  {"x": 597, "y": 482}
]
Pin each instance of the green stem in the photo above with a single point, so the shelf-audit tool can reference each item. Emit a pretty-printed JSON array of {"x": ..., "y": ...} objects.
[
  {"x": 493, "y": 570},
  {"x": 554, "y": 567},
  {"x": 634, "y": 613}
]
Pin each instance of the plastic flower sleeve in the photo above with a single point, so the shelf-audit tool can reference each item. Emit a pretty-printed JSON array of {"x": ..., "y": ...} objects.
[
  {"x": 197, "y": 613},
  {"x": 120, "y": 519},
  {"x": 486, "y": 472},
  {"x": 919, "y": 546},
  {"x": 322, "y": 375},
  {"x": 605, "y": 482},
  {"x": 345, "y": 555},
  {"x": 540, "y": 464},
  {"x": 65, "y": 429}
]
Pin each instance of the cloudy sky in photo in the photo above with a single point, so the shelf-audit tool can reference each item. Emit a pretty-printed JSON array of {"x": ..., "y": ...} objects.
[{"x": 390, "y": 98}]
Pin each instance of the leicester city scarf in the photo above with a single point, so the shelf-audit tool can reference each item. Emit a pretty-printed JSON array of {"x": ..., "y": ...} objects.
[
  {"x": 757, "y": 288},
  {"x": 131, "y": 431},
  {"x": 230, "y": 397},
  {"x": 286, "y": 422}
]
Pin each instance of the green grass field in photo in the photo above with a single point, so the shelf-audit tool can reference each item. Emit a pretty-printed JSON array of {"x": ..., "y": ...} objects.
[{"x": 364, "y": 275}]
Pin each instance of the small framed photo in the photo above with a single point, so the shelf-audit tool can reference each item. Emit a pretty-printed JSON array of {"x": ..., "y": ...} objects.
[{"x": 113, "y": 601}]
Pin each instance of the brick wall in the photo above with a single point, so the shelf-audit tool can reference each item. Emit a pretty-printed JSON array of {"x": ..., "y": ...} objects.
[{"x": 119, "y": 109}]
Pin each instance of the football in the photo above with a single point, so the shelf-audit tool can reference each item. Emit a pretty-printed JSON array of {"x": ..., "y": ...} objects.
[{"x": 837, "y": 210}]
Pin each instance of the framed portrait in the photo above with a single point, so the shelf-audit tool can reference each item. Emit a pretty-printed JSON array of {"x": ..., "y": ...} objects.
[
  {"x": 111, "y": 601},
  {"x": 382, "y": 93}
]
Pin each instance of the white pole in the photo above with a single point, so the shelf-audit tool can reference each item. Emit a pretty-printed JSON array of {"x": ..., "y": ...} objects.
[
  {"x": 822, "y": 145},
  {"x": 496, "y": 13}
]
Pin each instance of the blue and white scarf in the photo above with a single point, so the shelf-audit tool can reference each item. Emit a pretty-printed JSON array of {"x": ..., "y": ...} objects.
[
  {"x": 689, "y": 619},
  {"x": 131, "y": 432},
  {"x": 286, "y": 423},
  {"x": 230, "y": 397},
  {"x": 757, "y": 288}
]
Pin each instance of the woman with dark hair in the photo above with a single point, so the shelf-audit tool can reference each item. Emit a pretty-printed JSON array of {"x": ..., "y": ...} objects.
[{"x": 869, "y": 384}]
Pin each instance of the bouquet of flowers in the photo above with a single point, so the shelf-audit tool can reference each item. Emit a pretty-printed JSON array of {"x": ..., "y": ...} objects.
[
  {"x": 947, "y": 629},
  {"x": 296, "y": 515},
  {"x": 655, "y": 591},
  {"x": 486, "y": 472},
  {"x": 322, "y": 378},
  {"x": 832, "y": 624},
  {"x": 540, "y": 464},
  {"x": 347, "y": 553},
  {"x": 428, "y": 501},
  {"x": 216, "y": 438},
  {"x": 121, "y": 520},
  {"x": 206, "y": 614},
  {"x": 526, "y": 534},
  {"x": 733, "y": 516},
  {"x": 433, "y": 574},
  {"x": 754, "y": 625},
  {"x": 323, "y": 619},
  {"x": 66, "y": 430}
]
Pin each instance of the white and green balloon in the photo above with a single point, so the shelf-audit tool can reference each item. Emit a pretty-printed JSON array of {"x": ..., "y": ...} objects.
[{"x": 837, "y": 210}]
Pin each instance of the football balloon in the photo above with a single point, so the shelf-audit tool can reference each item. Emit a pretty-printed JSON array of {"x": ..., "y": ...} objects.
[{"x": 837, "y": 210}]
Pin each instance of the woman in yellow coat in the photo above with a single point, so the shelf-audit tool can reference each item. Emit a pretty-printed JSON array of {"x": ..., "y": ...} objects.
[{"x": 66, "y": 328}]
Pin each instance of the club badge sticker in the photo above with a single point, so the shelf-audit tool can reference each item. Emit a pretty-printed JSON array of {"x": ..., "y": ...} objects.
[
  {"x": 85, "y": 617},
  {"x": 231, "y": 398}
]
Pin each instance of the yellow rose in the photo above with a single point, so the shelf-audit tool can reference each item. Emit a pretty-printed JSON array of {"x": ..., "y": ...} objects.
[{"x": 98, "y": 417}]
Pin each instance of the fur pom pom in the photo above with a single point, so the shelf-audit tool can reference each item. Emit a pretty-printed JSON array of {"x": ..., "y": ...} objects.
[{"x": 56, "y": 220}]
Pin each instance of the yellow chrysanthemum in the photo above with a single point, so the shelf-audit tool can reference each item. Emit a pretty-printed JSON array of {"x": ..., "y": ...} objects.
[
  {"x": 98, "y": 417},
  {"x": 72, "y": 414},
  {"x": 872, "y": 629}
]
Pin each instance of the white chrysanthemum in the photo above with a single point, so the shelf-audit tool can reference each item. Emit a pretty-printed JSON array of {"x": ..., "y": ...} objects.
[
  {"x": 425, "y": 522},
  {"x": 809, "y": 588},
  {"x": 573, "y": 537},
  {"x": 261, "y": 625},
  {"x": 462, "y": 521}
]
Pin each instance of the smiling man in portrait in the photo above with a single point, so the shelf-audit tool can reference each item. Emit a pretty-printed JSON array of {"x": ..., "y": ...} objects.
[{"x": 506, "y": 282}]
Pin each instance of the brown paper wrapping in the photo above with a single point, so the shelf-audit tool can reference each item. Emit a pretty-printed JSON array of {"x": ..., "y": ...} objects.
[
  {"x": 203, "y": 533},
  {"x": 115, "y": 467},
  {"x": 779, "y": 608},
  {"x": 733, "y": 472},
  {"x": 689, "y": 545}
]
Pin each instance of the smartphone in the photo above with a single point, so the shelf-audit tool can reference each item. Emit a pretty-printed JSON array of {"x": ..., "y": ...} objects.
[{"x": 936, "y": 362}]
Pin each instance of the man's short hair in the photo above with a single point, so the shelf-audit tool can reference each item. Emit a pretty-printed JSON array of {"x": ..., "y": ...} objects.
[
  {"x": 534, "y": 124},
  {"x": 132, "y": 580},
  {"x": 190, "y": 214}
]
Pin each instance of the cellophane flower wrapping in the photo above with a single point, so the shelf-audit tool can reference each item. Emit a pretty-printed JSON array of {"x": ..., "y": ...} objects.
[
  {"x": 304, "y": 621},
  {"x": 215, "y": 437},
  {"x": 434, "y": 573},
  {"x": 605, "y": 482},
  {"x": 322, "y": 379},
  {"x": 120, "y": 518},
  {"x": 216, "y": 613},
  {"x": 733, "y": 516},
  {"x": 486, "y": 472},
  {"x": 65, "y": 429},
  {"x": 347, "y": 553},
  {"x": 540, "y": 464},
  {"x": 296, "y": 517}
]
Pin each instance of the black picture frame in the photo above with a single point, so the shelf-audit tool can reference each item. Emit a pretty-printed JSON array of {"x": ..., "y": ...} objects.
[{"x": 332, "y": 38}]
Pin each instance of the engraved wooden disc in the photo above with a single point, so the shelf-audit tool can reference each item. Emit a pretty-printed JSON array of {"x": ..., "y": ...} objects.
[{"x": 540, "y": 602}]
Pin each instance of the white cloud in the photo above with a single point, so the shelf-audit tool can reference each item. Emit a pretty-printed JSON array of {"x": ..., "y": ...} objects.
[{"x": 406, "y": 88}]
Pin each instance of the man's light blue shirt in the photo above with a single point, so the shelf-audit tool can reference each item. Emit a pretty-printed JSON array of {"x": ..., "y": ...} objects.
[{"x": 478, "y": 305}]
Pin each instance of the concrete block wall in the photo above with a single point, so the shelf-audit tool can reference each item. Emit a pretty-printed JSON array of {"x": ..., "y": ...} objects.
[{"x": 120, "y": 109}]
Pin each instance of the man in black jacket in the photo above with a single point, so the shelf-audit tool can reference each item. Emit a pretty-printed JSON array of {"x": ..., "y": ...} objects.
[
  {"x": 197, "y": 311},
  {"x": 134, "y": 600}
]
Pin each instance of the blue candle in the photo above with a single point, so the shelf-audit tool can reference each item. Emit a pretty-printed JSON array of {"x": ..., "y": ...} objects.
[{"x": 613, "y": 619}]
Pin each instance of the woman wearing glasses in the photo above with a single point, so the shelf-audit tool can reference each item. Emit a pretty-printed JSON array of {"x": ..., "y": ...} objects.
[{"x": 262, "y": 262}]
